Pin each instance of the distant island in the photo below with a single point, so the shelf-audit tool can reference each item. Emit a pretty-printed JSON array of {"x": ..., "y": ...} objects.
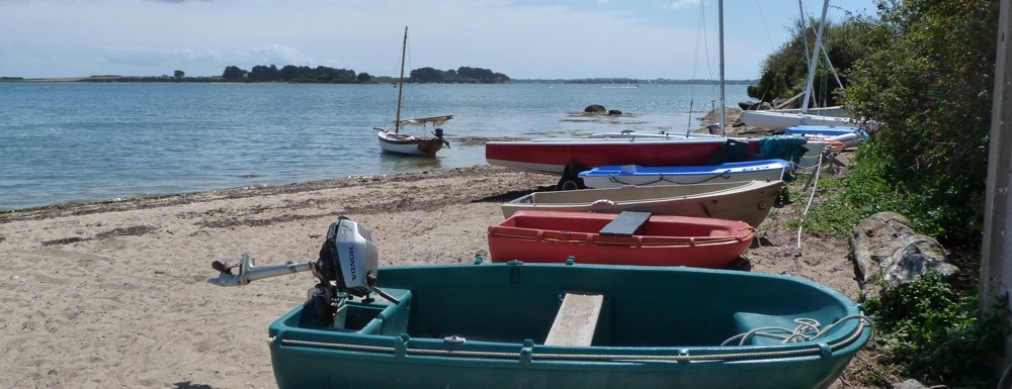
[
  {"x": 326, "y": 75},
  {"x": 304, "y": 75}
]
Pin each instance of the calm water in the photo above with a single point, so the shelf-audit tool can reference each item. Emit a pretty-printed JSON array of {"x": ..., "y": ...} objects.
[{"x": 71, "y": 142}]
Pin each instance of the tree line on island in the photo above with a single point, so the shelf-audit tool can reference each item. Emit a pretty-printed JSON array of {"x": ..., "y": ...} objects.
[
  {"x": 327, "y": 75},
  {"x": 324, "y": 75}
]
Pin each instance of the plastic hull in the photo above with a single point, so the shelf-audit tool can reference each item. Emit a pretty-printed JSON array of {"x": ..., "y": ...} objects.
[
  {"x": 408, "y": 145},
  {"x": 749, "y": 202},
  {"x": 552, "y": 157},
  {"x": 552, "y": 237},
  {"x": 484, "y": 326},
  {"x": 619, "y": 176},
  {"x": 848, "y": 136},
  {"x": 777, "y": 120}
]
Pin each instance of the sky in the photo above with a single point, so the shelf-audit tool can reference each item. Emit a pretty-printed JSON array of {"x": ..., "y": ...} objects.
[{"x": 523, "y": 39}]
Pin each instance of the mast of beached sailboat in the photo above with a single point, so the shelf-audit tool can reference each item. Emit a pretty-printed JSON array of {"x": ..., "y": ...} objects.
[
  {"x": 723, "y": 104},
  {"x": 815, "y": 57},
  {"x": 400, "y": 85}
]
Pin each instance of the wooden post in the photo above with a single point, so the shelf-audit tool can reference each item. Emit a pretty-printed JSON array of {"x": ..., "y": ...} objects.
[{"x": 996, "y": 248}]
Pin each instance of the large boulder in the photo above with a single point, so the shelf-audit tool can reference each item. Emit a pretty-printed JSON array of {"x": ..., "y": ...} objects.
[
  {"x": 885, "y": 247},
  {"x": 595, "y": 108}
]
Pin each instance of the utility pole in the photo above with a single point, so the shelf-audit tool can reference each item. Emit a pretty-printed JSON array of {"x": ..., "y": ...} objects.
[{"x": 996, "y": 248}]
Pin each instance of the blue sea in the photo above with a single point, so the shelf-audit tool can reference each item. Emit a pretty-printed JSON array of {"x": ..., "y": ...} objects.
[{"x": 86, "y": 142}]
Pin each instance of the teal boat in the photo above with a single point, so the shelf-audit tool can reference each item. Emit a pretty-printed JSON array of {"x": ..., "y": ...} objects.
[{"x": 517, "y": 325}]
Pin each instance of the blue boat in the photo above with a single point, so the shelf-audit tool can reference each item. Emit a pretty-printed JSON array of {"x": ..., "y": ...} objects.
[
  {"x": 850, "y": 136},
  {"x": 517, "y": 325},
  {"x": 616, "y": 176}
]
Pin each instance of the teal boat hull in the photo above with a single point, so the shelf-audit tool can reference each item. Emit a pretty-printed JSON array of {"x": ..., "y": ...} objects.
[{"x": 469, "y": 326}]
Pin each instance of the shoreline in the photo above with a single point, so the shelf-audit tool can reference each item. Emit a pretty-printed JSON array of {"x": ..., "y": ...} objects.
[
  {"x": 158, "y": 200},
  {"x": 117, "y": 294}
]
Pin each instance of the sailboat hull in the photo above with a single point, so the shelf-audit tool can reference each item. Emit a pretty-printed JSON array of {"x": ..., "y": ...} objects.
[
  {"x": 552, "y": 157},
  {"x": 408, "y": 145},
  {"x": 779, "y": 121}
]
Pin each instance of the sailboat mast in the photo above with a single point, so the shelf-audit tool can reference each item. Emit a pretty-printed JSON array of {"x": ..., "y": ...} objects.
[
  {"x": 720, "y": 22},
  {"x": 400, "y": 86},
  {"x": 815, "y": 57}
]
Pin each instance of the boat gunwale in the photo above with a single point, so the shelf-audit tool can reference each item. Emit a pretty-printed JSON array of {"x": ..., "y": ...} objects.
[
  {"x": 846, "y": 337},
  {"x": 746, "y": 186},
  {"x": 355, "y": 342},
  {"x": 731, "y": 231}
]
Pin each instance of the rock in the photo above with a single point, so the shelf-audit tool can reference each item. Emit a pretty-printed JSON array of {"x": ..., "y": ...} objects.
[
  {"x": 754, "y": 106},
  {"x": 910, "y": 384},
  {"x": 885, "y": 247},
  {"x": 595, "y": 108},
  {"x": 614, "y": 112}
]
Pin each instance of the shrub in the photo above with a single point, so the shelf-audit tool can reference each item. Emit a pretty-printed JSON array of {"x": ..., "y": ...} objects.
[{"x": 934, "y": 333}]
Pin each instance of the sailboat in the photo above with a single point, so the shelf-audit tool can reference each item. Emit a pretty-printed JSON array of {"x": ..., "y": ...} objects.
[
  {"x": 779, "y": 120},
  {"x": 392, "y": 141},
  {"x": 569, "y": 157}
]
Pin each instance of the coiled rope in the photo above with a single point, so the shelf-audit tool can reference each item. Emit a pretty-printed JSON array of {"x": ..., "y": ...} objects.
[{"x": 807, "y": 330}]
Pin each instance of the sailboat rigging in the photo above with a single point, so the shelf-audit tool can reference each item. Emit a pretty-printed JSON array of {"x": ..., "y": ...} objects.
[
  {"x": 396, "y": 143},
  {"x": 779, "y": 120}
]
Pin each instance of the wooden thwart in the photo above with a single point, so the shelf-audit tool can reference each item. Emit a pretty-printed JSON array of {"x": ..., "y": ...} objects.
[
  {"x": 576, "y": 321},
  {"x": 626, "y": 223}
]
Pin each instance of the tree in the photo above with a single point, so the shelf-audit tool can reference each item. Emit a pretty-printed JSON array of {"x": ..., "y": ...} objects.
[
  {"x": 462, "y": 75},
  {"x": 179, "y": 74},
  {"x": 364, "y": 77},
  {"x": 233, "y": 73},
  {"x": 426, "y": 75},
  {"x": 929, "y": 78},
  {"x": 784, "y": 73},
  {"x": 289, "y": 72},
  {"x": 264, "y": 73}
]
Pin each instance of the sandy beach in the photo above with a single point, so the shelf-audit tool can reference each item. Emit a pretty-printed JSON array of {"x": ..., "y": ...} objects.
[{"x": 116, "y": 294}]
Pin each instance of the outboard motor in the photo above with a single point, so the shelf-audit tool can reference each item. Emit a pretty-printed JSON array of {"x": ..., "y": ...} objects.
[
  {"x": 349, "y": 258},
  {"x": 439, "y": 135},
  {"x": 347, "y": 267}
]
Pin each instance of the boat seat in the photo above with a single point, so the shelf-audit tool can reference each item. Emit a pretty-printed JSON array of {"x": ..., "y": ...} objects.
[
  {"x": 576, "y": 321},
  {"x": 626, "y": 223}
]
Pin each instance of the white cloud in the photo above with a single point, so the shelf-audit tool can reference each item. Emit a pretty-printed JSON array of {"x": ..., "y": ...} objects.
[
  {"x": 684, "y": 4},
  {"x": 145, "y": 56},
  {"x": 275, "y": 55}
]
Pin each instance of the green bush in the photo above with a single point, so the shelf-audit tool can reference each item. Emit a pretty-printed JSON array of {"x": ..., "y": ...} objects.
[
  {"x": 934, "y": 333},
  {"x": 931, "y": 86}
]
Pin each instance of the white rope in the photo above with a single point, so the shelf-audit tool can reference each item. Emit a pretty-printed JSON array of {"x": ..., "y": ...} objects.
[
  {"x": 818, "y": 168},
  {"x": 807, "y": 330}
]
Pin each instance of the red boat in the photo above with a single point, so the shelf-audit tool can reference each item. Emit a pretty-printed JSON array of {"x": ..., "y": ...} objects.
[
  {"x": 552, "y": 156},
  {"x": 629, "y": 238}
]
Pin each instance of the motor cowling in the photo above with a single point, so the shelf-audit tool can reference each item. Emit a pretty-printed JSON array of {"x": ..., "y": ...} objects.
[{"x": 348, "y": 258}]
